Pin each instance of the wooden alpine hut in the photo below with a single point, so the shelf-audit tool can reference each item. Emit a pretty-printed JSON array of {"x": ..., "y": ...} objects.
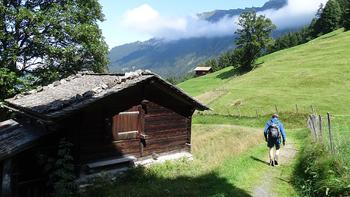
[
  {"x": 109, "y": 119},
  {"x": 200, "y": 70}
]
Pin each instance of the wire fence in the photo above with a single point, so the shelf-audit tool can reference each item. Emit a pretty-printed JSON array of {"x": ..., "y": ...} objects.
[
  {"x": 258, "y": 111},
  {"x": 331, "y": 130}
]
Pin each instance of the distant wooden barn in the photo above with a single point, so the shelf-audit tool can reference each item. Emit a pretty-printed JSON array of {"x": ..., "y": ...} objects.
[
  {"x": 202, "y": 70},
  {"x": 109, "y": 119}
]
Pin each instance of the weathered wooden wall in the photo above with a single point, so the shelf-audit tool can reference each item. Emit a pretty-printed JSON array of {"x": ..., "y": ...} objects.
[
  {"x": 165, "y": 129},
  {"x": 1, "y": 166}
]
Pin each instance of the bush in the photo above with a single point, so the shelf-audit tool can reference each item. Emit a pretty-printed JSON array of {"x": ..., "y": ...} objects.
[
  {"x": 318, "y": 173},
  {"x": 63, "y": 175}
]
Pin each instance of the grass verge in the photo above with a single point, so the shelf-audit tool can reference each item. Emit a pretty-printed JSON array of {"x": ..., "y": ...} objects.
[
  {"x": 290, "y": 120},
  {"x": 320, "y": 173}
]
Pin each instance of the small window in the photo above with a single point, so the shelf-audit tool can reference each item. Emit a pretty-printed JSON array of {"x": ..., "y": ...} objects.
[{"x": 126, "y": 125}]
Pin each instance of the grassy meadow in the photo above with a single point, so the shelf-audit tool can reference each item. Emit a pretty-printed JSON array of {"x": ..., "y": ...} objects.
[{"x": 315, "y": 73}]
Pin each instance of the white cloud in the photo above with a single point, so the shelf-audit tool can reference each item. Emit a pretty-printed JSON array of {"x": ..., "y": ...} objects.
[
  {"x": 146, "y": 20},
  {"x": 296, "y": 13}
]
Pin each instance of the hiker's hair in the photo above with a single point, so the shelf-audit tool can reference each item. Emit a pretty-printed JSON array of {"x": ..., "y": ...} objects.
[{"x": 274, "y": 115}]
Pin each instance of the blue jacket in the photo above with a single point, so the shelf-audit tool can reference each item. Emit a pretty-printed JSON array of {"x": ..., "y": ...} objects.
[{"x": 280, "y": 125}]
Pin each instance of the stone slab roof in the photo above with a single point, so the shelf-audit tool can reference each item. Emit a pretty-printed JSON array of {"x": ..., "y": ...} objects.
[
  {"x": 15, "y": 138},
  {"x": 80, "y": 89}
]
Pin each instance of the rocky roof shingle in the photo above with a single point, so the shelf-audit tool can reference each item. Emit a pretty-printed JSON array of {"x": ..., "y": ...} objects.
[
  {"x": 15, "y": 138},
  {"x": 81, "y": 89}
]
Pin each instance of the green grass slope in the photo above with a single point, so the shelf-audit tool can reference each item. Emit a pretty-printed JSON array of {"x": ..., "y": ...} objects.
[{"x": 316, "y": 73}]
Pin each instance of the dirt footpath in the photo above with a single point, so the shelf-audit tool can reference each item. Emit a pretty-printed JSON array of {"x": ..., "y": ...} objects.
[{"x": 273, "y": 174}]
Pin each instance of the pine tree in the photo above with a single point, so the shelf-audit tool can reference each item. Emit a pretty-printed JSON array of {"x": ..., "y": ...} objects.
[
  {"x": 346, "y": 22},
  {"x": 330, "y": 18},
  {"x": 343, "y": 4}
]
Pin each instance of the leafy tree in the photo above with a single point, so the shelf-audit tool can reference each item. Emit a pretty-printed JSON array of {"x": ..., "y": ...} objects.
[
  {"x": 8, "y": 81},
  {"x": 253, "y": 37},
  {"x": 229, "y": 58},
  {"x": 50, "y": 39},
  {"x": 212, "y": 63},
  {"x": 226, "y": 59}
]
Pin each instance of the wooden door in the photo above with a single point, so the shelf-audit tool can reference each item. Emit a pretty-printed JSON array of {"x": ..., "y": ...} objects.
[{"x": 128, "y": 125}]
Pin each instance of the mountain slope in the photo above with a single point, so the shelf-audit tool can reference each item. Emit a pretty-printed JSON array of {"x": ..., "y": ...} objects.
[
  {"x": 173, "y": 58},
  {"x": 176, "y": 58},
  {"x": 315, "y": 73}
]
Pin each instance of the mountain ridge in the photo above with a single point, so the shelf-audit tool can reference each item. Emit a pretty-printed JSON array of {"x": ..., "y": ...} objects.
[
  {"x": 216, "y": 15},
  {"x": 177, "y": 57}
]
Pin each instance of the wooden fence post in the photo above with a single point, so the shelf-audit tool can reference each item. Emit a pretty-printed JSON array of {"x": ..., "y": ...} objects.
[
  {"x": 312, "y": 109},
  {"x": 276, "y": 109},
  {"x": 296, "y": 108},
  {"x": 256, "y": 112},
  {"x": 313, "y": 126},
  {"x": 320, "y": 126},
  {"x": 330, "y": 133}
]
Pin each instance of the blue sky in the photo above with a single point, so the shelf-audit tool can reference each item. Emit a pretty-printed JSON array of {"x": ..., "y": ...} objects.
[
  {"x": 116, "y": 34},
  {"x": 132, "y": 20}
]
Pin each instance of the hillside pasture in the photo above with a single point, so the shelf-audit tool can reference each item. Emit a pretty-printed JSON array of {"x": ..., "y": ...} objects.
[{"x": 313, "y": 74}]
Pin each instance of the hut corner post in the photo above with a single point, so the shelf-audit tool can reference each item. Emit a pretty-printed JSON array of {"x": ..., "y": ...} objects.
[{"x": 6, "y": 190}]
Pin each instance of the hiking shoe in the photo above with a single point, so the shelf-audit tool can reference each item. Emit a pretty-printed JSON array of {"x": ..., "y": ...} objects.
[
  {"x": 276, "y": 163},
  {"x": 272, "y": 163}
]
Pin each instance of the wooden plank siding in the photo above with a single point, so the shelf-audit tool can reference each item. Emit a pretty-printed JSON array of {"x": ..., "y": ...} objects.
[{"x": 165, "y": 129}]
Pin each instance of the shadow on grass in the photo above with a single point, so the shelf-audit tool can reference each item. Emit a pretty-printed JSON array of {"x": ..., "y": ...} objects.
[
  {"x": 259, "y": 160},
  {"x": 227, "y": 74},
  {"x": 284, "y": 180},
  {"x": 140, "y": 182},
  {"x": 237, "y": 71},
  {"x": 329, "y": 36}
]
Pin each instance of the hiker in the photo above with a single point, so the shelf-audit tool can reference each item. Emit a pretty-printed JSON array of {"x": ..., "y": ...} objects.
[{"x": 272, "y": 132}]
